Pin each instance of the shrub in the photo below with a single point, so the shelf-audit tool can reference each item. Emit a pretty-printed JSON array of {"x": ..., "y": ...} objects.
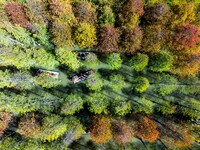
[
  {"x": 143, "y": 106},
  {"x": 108, "y": 39},
  {"x": 141, "y": 84},
  {"x": 139, "y": 61},
  {"x": 114, "y": 61},
  {"x": 85, "y": 35}
]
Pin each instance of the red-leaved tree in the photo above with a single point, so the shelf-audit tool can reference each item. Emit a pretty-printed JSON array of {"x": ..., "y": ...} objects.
[
  {"x": 17, "y": 14},
  {"x": 147, "y": 129},
  {"x": 187, "y": 36},
  {"x": 108, "y": 39}
]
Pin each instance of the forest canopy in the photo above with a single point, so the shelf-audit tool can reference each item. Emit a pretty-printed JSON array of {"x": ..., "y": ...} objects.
[{"x": 99, "y": 74}]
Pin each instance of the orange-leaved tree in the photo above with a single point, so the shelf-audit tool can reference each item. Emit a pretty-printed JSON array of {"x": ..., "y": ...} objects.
[
  {"x": 101, "y": 129},
  {"x": 147, "y": 129},
  {"x": 5, "y": 118},
  {"x": 29, "y": 125}
]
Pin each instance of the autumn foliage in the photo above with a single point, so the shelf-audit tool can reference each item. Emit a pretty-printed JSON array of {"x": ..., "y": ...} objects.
[
  {"x": 158, "y": 13},
  {"x": 132, "y": 40},
  {"x": 101, "y": 129},
  {"x": 5, "y": 118},
  {"x": 29, "y": 126},
  {"x": 175, "y": 135},
  {"x": 122, "y": 132},
  {"x": 108, "y": 39},
  {"x": 17, "y": 14},
  {"x": 84, "y": 12},
  {"x": 147, "y": 129},
  {"x": 187, "y": 36},
  {"x": 130, "y": 12}
]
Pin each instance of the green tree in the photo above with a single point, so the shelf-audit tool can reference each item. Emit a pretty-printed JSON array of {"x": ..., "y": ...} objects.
[
  {"x": 166, "y": 108},
  {"x": 22, "y": 57},
  {"x": 46, "y": 80},
  {"x": 28, "y": 102},
  {"x": 161, "y": 62},
  {"x": 42, "y": 36},
  {"x": 143, "y": 105},
  {"x": 121, "y": 107},
  {"x": 165, "y": 84},
  {"x": 192, "y": 108},
  {"x": 94, "y": 82},
  {"x": 139, "y": 61},
  {"x": 85, "y": 35},
  {"x": 117, "y": 82},
  {"x": 68, "y": 58},
  {"x": 98, "y": 103},
  {"x": 141, "y": 84},
  {"x": 106, "y": 17},
  {"x": 21, "y": 80},
  {"x": 114, "y": 61},
  {"x": 72, "y": 104},
  {"x": 54, "y": 126}
]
